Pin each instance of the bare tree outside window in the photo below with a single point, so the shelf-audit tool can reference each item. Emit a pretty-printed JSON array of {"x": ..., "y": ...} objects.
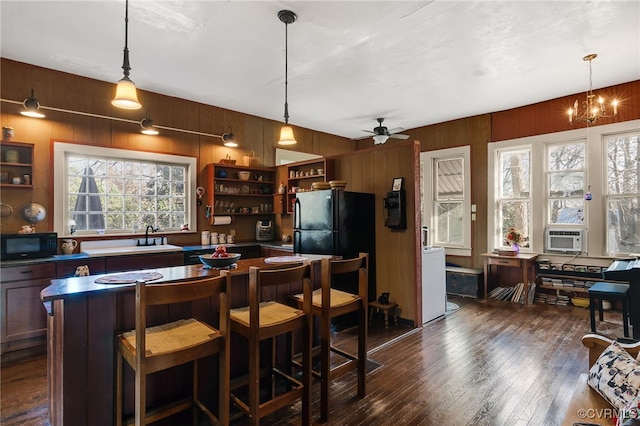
[
  {"x": 118, "y": 195},
  {"x": 566, "y": 183},
  {"x": 514, "y": 202},
  {"x": 623, "y": 194}
]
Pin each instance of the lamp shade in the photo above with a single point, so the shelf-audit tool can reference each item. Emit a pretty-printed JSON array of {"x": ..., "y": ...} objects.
[
  {"x": 286, "y": 136},
  {"x": 380, "y": 139},
  {"x": 126, "y": 96}
]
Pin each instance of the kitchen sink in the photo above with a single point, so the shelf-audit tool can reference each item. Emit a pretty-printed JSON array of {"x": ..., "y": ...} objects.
[{"x": 125, "y": 247}]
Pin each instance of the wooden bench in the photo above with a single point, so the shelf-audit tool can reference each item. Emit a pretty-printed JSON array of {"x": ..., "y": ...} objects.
[{"x": 586, "y": 404}]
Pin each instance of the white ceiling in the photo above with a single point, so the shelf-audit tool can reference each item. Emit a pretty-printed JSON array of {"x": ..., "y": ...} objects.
[{"x": 413, "y": 62}]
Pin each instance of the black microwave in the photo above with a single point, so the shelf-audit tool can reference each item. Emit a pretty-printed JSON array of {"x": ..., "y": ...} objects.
[{"x": 28, "y": 246}]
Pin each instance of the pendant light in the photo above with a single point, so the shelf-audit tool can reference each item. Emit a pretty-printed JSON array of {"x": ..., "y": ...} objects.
[
  {"x": 147, "y": 126},
  {"x": 126, "y": 96},
  {"x": 32, "y": 107},
  {"x": 286, "y": 133}
]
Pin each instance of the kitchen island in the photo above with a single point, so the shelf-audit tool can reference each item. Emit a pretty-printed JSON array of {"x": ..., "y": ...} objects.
[{"x": 83, "y": 320}]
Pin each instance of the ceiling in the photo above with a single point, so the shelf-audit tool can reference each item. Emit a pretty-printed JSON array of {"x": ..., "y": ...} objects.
[{"x": 413, "y": 62}]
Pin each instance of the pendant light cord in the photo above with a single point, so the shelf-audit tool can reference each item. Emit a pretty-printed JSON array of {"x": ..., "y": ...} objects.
[
  {"x": 286, "y": 73},
  {"x": 125, "y": 64}
]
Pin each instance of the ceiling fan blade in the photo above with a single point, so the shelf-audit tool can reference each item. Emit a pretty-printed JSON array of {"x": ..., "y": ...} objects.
[
  {"x": 396, "y": 130},
  {"x": 361, "y": 138},
  {"x": 398, "y": 136},
  {"x": 369, "y": 131}
]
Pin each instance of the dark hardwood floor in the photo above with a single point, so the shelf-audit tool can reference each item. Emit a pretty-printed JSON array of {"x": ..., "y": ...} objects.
[{"x": 486, "y": 363}]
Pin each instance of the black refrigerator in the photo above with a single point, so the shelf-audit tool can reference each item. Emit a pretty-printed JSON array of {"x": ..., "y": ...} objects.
[{"x": 337, "y": 222}]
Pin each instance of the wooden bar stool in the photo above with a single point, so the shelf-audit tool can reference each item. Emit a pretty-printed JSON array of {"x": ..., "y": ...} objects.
[
  {"x": 151, "y": 349},
  {"x": 609, "y": 291},
  {"x": 266, "y": 320},
  {"x": 328, "y": 303}
]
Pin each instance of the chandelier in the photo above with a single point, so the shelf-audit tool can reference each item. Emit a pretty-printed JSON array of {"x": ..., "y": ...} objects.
[{"x": 593, "y": 107}]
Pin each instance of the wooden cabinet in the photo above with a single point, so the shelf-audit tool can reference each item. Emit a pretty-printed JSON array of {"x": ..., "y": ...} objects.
[
  {"x": 301, "y": 175},
  {"x": 272, "y": 252},
  {"x": 16, "y": 162},
  {"x": 143, "y": 261},
  {"x": 67, "y": 268},
  {"x": 229, "y": 195},
  {"x": 24, "y": 318}
]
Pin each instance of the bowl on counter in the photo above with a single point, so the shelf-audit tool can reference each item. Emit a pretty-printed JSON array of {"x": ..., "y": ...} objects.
[
  {"x": 219, "y": 262},
  {"x": 244, "y": 175}
]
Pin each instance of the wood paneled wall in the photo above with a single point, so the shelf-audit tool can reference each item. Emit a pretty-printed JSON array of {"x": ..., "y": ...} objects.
[
  {"x": 372, "y": 170},
  {"x": 71, "y": 92},
  {"x": 550, "y": 116},
  {"x": 475, "y": 132}
]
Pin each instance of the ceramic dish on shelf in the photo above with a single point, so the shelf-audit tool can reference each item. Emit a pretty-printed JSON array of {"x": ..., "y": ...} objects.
[{"x": 244, "y": 175}]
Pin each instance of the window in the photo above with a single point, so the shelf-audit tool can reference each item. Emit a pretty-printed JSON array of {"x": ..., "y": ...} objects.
[
  {"x": 623, "y": 193},
  {"x": 514, "y": 196},
  {"x": 543, "y": 181},
  {"x": 446, "y": 195},
  {"x": 114, "y": 191},
  {"x": 566, "y": 185}
]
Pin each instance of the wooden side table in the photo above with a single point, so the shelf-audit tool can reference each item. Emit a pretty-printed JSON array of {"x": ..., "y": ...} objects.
[
  {"x": 386, "y": 309},
  {"x": 523, "y": 261}
]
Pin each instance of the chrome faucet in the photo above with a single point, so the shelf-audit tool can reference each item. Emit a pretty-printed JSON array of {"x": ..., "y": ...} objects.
[{"x": 146, "y": 236}]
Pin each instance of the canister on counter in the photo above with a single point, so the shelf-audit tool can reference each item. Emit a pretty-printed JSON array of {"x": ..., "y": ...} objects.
[{"x": 205, "y": 238}]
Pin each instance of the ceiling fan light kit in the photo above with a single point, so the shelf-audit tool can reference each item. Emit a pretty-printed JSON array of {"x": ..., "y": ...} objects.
[{"x": 286, "y": 132}]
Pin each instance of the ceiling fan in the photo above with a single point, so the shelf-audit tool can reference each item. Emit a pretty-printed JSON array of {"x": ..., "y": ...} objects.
[{"x": 381, "y": 134}]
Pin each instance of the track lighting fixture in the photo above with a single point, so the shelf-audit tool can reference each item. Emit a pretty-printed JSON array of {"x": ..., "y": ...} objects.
[
  {"x": 32, "y": 107},
  {"x": 228, "y": 139},
  {"x": 147, "y": 126}
]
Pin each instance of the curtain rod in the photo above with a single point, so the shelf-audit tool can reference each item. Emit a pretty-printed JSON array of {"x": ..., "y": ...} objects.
[{"x": 107, "y": 117}]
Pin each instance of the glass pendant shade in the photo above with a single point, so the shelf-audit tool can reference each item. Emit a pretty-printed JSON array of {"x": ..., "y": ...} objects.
[
  {"x": 286, "y": 136},
  {"x": 380, "y": 139},
  {"x": 126, "y": 95}
]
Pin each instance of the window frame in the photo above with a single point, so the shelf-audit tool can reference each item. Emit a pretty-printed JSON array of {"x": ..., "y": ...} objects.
[
  {"x": 499, "y": 235},
  {"x": 608, "y": 196},
  {"x": 62, "y": 149},
  {"x": 595, "y": 176},
  {"x": 429, "y": 216},
  {"x": 548, "y": 174}
]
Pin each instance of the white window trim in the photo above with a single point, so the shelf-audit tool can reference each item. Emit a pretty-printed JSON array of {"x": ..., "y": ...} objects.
[
  {"x": 61, "y": 150},
  {"x": 595, "y": 176},
  {"x": 427, "y": 159}
]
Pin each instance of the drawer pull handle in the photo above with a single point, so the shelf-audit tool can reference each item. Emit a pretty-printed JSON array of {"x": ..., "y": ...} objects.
[
  {"x": 504, "y": 262},
  {"x": 26, "y": 272}
]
